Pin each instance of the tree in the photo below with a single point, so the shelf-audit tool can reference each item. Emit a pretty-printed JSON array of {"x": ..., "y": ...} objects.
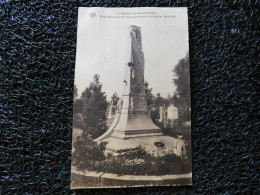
[
  {"x": 154, "y": 103},
  {"x": 182, "y": 81},
  {"x": 149, "y": 96},
  {"x": 94, "y": 108},
  {"x": 91, "y": 106},
  {"x": 78, "y": 106},
  {"x": 77, "y": 110}
]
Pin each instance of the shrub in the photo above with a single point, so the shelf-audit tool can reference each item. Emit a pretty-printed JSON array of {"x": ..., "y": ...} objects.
[
  {"x": 139, "y": 162},
  {"x": 87, "y": 152}
]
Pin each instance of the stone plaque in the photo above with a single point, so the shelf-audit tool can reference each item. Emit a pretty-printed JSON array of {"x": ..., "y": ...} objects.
[{"x": 139, "y": 104}]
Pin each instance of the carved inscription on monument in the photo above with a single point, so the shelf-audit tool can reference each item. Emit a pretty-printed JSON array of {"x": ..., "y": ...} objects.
[{"x": 139, "y": 104}]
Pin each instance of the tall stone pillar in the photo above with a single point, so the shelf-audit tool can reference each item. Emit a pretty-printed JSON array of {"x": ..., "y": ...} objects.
[{"x": 135, "y": 120}]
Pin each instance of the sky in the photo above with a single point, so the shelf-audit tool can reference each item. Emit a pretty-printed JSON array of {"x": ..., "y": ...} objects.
[{"x": 102, "y": 46}]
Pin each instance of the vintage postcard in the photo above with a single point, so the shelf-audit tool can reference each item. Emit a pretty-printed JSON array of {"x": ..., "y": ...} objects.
[{"x": 132, "y": 107}]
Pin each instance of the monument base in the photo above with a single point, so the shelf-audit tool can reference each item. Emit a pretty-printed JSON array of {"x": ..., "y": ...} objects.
[
  {"x": 134, "y": 125},
  {"x": 169, "y": 145}
]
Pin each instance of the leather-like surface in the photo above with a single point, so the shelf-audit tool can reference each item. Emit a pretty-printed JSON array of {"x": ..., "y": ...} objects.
[{"x": 37, "y": 61}]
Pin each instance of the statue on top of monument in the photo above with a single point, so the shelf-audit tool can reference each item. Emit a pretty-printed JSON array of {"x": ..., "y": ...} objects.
[{"x": 137, "y": 61}]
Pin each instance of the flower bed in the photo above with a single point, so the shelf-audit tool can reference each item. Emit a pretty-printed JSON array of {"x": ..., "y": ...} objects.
[{"x": 137, "y": 162}]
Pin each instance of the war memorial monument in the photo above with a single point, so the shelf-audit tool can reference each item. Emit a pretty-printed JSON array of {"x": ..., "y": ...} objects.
[{"x": 133, "y": 126}]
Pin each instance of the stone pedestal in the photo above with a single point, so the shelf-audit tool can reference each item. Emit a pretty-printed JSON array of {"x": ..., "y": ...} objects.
[{"x": 135, "y": 120}]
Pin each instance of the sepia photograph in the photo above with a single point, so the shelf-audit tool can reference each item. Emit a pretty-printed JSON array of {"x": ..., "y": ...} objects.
[{"x": 131, "y": 106}]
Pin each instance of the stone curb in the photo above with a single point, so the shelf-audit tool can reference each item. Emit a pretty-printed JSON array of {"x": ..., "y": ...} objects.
[{"x": 91, "y": 179}]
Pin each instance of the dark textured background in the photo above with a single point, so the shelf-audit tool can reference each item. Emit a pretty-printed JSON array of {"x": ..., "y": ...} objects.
[{"x": 38, "y": 46}]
